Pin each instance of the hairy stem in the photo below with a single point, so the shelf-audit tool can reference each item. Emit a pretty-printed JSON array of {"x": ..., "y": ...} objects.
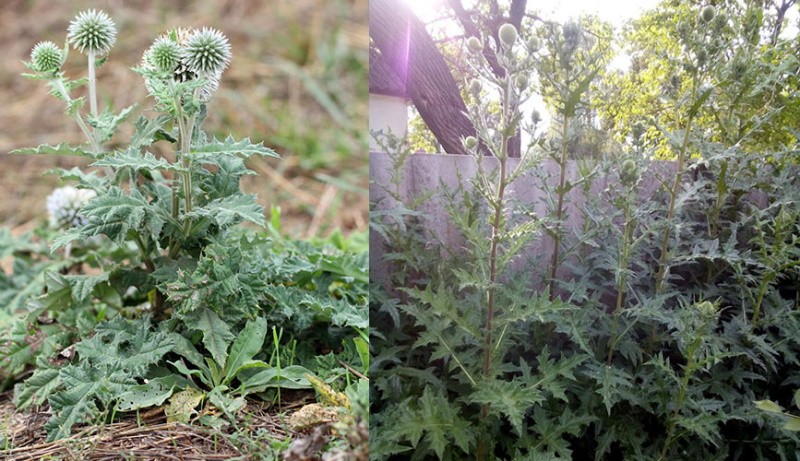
[
  {"x": 673, "y": 198},
  {"x": 559, "y": 208},
  {"x": 78, "y": 119},
  {"x": 623, "y": 279},
  {"x": 92, "y": 84}
]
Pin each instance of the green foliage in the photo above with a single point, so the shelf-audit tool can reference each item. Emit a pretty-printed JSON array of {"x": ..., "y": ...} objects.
[
  {"x": 670, "y": 309},
  {"x": 151, "y": 294}
]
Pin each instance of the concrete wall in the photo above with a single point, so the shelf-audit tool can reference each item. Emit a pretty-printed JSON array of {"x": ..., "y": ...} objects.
[
  {"x": 425, "y": 172},
  {"x": 388, "y": 114}
]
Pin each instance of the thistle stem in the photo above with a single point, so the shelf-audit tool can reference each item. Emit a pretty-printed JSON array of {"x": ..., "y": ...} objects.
[
  {"x": 77, "y": 116},
  {"x": 559, "y": 207},
  {"x": 92, "y": 84}
]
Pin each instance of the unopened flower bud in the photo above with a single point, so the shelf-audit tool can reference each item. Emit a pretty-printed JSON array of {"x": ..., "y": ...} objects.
[
  {"x": 521, "y": 81},
  {"x": 475, "y": 87},
  {"x": 708, "y": 14},
  {"x": 474, "y": 45},
  {"x": 534, "y": 44},
  {"x": 46, "y": 57},
  {"x": 706, "y": 308},
  {"x": 470, "y": 142},
  {"x": 508, "y": 34},
  {"x": 628, "y": 174}
]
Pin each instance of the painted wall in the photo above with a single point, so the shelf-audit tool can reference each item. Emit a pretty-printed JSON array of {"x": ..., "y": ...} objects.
[{"x": 388, "y": 114}]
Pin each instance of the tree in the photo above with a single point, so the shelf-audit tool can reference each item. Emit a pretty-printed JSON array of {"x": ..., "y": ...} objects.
[{"x": 403, "y": 40}]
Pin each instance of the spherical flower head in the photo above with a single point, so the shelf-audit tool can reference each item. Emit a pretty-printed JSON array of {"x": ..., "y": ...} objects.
[
  {"x": 207, "y": 52},
  {"x": 508, "y": 34},
  {"x": 474, "y": 45},
  {"x": 470, "y": 142},
  {"x": 64, "y": 205},
  {"x": 164, "y": 54},
  {"x": 521, "y": 81},
  {"x": 534, "y": 44},
  {"x": 92, "y": 31},
  {"x": 629, "y": 173},
  {"x": 475, "y": 87},
  {"x": 708, "y": 14},
  {"x": 46, "y": 57}
]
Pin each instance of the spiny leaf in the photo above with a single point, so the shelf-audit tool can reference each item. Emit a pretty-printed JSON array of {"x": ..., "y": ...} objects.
[
  {"x": 47, "y": 149},
  {"x": 216, "y": 333},
  {"x": 231, "y": 210},
  {"x": 232, "y": 147},
  {"x": 37, "y": 388},
  {"x": 137, "y": 161}
]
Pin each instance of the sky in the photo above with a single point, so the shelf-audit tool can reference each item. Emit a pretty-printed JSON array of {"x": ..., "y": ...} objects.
[{"x": 616, "y": 11}]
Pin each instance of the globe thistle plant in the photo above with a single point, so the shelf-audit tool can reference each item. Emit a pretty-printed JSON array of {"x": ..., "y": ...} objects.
[
  {"x": 64, "y": 205},
  {"x": 46, "y": 57}
]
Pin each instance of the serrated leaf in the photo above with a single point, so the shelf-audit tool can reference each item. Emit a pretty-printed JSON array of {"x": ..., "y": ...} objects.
[
  {"x": 216, "y": 333},
  {"x": 36, "y": 389},
  {"x": 231, "y": 210},
  {"x": 247, "y": 344},
  {"x": 47, "y": 149},
  {"x": 291, "y": 377},
  {"x": 137, "y": 161},
  {"x": 768, "y": 406},
  {"x": 230, "y": 146},
  {"x": 83, "y": 285}
]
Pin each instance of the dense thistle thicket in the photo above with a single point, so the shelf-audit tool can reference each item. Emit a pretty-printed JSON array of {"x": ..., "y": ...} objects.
[
  {"x": 660, "y": 321},
  {"x": 131, "y": 298}
]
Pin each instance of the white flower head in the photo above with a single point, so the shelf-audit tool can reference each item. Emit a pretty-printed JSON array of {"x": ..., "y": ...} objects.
[
  {"x": 92, "y": 30},
  {"x": 207, "y": 52},
  {"x": 64, "y": 205}
]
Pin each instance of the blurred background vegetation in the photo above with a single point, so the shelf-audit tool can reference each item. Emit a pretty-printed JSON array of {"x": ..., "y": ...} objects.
[{"x": 298, "y": 81}]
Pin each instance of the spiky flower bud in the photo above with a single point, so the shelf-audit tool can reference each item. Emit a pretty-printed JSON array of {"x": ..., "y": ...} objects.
[
  {"x": 572, "y": 36},
  {"x": 475, "y": 87},
  {"x": 46, "y": 57},
  {"x": 707, "y": 309},
  {"x": 474, "y": 45},
  {"x": 92, "y": 31},
  {"x": 164, "y": 54},
  {"x": 470, "y": 142},
  {"x": 521, "y": 81},
  {"x": 508, "y": 34},
  {"x": 628, "y": 174},
  {"x": 64, "y": 205},
  {"x": 534, "y": 44},
  {"x": 708, "y": 14},
  {"x": 536, "y": 117},
  {"x": 207, "y": 52}
]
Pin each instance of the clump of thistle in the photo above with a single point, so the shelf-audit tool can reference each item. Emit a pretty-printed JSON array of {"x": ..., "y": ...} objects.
[
  {"x": 64, "y": 205},
  {"x": 187, "y": 54}
]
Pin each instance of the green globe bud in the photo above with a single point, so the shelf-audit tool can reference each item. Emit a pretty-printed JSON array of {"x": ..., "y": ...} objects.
[
  {"x": 521, "y": 81},
  {"x": 46, "y": 57},
  {"x": 708, "y": 14},
  {"x": 702, "y": 57},
  {"x": 470, "y": 142},
  {"x": 536, "y": 117},
  {"x": 508, "y": 34},
  {"x": 474, "y": 45},
  {"x": 92, "y": 31},
  {"x": 207, "y": 52},
  {"x": 707, "y": 309},
  {"x": 628, "y": 174},
  {"x": 475, "y": 87},
  {"x": 534, "y": 44},
  {"x": 164, "y": 54}
]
